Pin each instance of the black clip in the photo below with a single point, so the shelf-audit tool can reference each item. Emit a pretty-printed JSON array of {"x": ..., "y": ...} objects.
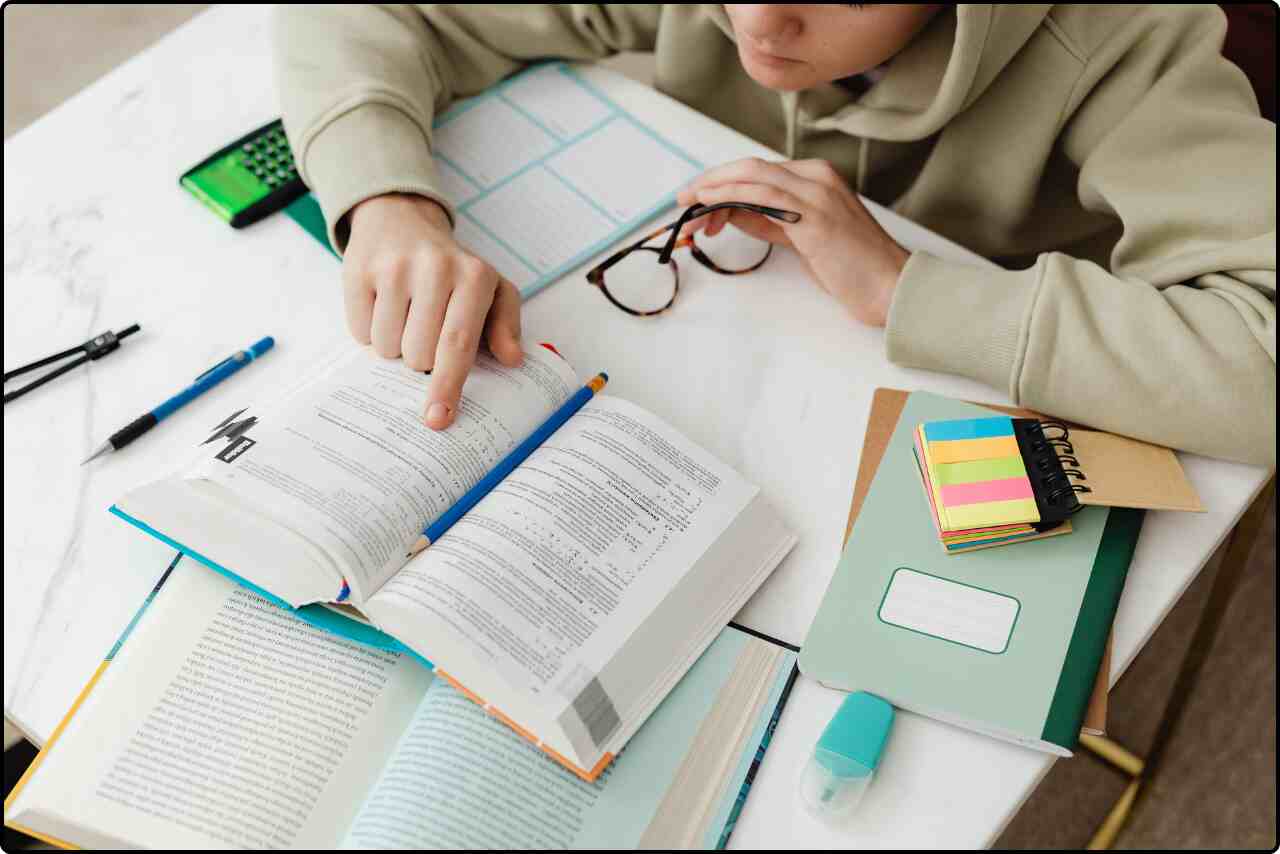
[
  {"x": 95, "y": 348},
  {"x": 101, "y": 345}
]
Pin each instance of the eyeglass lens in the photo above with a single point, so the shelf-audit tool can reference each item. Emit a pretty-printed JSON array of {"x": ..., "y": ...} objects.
[{"x": 642, "y": 285}]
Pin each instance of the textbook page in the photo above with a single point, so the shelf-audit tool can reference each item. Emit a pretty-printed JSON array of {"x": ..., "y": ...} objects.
[
  {"x": 545, "y": 171},
  {"x": 460, "y": 779},
  {"x": 547, "y": 577},
  {"x": 348, "y": 464},
  {"x": 223, "y": 721}
]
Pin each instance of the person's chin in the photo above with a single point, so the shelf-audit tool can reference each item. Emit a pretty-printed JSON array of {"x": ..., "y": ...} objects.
[{"x": 787, "y": 77}]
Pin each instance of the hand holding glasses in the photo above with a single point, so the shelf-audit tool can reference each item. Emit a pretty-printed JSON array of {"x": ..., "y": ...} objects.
[{"x": 643, "y": 280}]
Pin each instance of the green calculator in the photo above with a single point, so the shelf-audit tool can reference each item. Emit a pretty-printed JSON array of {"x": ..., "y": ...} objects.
[{"x": 249, "y": 179}]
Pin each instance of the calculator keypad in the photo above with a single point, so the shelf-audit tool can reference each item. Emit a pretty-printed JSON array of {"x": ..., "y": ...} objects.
[
  {"x": 269, "y": 158},
  {"x": 249, "y": 179}
]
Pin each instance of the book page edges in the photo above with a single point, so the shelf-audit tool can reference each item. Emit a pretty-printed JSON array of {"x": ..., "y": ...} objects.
[
  {"x": 343, "y": 620},
  {"x": 722, "y": 553},
  {"x": 590, "y": 776},
  {"x": 757, "y": 538},
  {"x": 27, "y": 775},
  {"x": 283, "y": 564},
  {"x": 45, "y": 838},
  {"x": 1043, "y": 745},
  {"x": 681, "y": 820}
]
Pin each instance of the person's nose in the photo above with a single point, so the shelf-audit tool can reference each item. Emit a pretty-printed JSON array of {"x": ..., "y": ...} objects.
[{"x": 769, "y": 25}]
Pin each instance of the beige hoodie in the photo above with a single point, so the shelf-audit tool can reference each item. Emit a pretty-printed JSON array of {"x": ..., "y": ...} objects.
[{"x": 1106, "y": 155}]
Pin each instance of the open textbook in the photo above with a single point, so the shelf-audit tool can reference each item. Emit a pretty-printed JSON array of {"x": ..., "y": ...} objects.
[
  {"x": 569, "y": 600},
  {"x": 222, "y": 720}
]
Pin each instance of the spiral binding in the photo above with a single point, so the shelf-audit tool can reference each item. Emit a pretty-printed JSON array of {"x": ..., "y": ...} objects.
[{"x": 1060, "y": 468}]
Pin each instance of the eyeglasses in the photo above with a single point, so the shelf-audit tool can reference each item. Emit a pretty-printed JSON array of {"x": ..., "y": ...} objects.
[{"x": 642, "y": 285}]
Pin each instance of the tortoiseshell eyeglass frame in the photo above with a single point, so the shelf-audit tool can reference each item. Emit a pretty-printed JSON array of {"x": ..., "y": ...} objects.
[{"x": 674, "y": 242}]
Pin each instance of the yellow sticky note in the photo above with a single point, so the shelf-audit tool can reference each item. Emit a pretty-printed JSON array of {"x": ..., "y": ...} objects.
[
  {"x": 992, "y": 513},
  {"x": 965, "y": 450}
]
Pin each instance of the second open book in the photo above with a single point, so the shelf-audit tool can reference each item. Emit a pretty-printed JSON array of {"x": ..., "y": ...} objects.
[{"x": 569, "y": 601}]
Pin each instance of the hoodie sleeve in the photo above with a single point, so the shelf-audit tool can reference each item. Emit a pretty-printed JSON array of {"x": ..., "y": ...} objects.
[
  {"x": 360, "y": 84},
  {"x": 1176, "y": 343}
]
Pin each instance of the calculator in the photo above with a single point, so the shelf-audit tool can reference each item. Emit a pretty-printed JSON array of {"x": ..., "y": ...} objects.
[{"x": 248, "y": 179}]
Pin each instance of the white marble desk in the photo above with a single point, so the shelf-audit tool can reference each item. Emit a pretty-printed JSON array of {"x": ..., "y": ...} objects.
[{"x": 764, "y": 371}]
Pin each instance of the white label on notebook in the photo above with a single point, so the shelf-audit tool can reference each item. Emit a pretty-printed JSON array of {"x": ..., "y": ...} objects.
[{"x": 949, "y": 610}]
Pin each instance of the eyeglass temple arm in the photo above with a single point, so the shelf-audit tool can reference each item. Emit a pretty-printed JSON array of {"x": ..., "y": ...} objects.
[{"x": 702, "y": 210}]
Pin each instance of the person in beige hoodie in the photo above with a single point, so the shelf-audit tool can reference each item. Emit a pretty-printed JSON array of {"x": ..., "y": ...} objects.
[{"x": 1107, "y": 157}]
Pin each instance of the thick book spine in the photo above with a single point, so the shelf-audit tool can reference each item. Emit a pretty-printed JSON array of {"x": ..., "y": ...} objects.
[{"x": 1093, "y": 627}]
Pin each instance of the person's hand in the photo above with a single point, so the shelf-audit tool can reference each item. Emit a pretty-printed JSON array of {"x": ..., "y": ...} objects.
[
  {"x": 412, "y": 290},
  {"x": 846, "y": 251}
]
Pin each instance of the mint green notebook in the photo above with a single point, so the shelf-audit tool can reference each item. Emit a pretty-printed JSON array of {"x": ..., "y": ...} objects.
[{"x": 1003, "y": 641}]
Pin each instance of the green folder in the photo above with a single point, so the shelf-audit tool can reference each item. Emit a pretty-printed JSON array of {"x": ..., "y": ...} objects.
[
  {"x": 305, "y": 211},
  {"x": 1003, "y": 641}
]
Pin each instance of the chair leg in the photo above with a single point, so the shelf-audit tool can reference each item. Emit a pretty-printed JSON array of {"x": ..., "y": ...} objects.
[
  {"x": 1113, "y": 753},
  {"x": 1115, "y": 821},
  {"x": 1223, "y": 589}
]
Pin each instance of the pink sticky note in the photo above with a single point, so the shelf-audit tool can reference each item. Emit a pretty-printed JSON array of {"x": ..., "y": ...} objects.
[{"x": 1005, "y": 489}]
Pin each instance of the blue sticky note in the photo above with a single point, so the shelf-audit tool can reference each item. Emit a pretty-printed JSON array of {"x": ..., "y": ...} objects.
[{"x": 968, "y": 428}]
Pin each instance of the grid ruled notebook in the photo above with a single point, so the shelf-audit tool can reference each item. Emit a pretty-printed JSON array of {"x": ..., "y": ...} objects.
[{"x": 532, "y": 169}]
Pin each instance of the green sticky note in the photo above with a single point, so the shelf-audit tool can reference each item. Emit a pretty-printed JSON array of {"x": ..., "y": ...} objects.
[{"x": 976, "y": 471}]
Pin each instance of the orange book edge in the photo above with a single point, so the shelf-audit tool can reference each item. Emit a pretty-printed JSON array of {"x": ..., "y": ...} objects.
[
  {"x": 590, "y": 776},
  {"x": 35, "y": 763}
]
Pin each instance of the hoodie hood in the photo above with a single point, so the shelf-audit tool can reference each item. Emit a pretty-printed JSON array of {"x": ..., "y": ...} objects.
[{"x": 939, "y": 74}]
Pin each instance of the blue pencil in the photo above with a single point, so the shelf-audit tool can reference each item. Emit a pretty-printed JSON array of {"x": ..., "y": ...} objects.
[{"x": 518, "y": 454}]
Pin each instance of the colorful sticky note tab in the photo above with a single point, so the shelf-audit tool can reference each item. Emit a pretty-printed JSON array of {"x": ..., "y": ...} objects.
[
  {"x": 968, "y": 428},
  {"x": 966, "y": 450},
  {"x": 993, "y": 513},
  {"x": 975, "y": 476},
  {"x": 1005, "y": 489},
  {"x": 975, "y": 471}
]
